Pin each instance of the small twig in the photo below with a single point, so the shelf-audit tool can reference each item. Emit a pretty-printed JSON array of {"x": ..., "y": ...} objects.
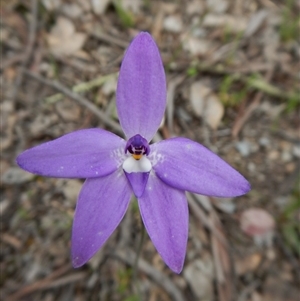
[
  {"x": 29, "y": 48},
  {"x": 248, "y": 290},
  {"x": 41, "y": 284},
  {"x": 199, "y": 213},
  {"x": 217, "y": 260},
  {"x": 170, "y": 100},
  {"x": 80, "y": 99},
  {"x": 252, "y": 107},
  {"x": 125, "y": 230},
  {"x": 96, "y": 32},
  {"x": 82, "y": 87},
  {"x": 223, "y": 266},
  {"x": 293, "y": 261},
  {"x": 242, "y": 75},
  {"x": 76, "y": 276},
  {"x": 11, "y": 61},
  {"x": 282, "y": 134},
  {"x": 162, "y": 280},
  {"x": 135, "y": 266}
]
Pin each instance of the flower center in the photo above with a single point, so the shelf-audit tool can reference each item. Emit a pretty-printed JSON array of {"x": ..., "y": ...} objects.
[{"x": 137, "y": 146}]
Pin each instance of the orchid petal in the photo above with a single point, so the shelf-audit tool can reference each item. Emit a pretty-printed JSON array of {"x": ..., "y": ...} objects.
[
  {"x": 138, "y": 181},
  {"x": 81, "y": 154},
  {"x": 101, "y": 206},
  {"x": 141, "y": 90},
  {"x": 187, "y": 165},
  {"x": 164, "y": 211}
]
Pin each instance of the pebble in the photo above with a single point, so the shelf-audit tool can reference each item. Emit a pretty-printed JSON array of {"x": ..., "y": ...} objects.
[
  {"x": 290, "y": 167},
  {"x": 274, "y": 155},
  {"x": 243, "y": 147},
  {"x": 173, "y": 24},
  {"x": 195, "y": 7},
  {"x": 197, "y": 46},
  {"x": 71, "y": 10},
  {"x": 217, "y": 6},
  {"x": 251, "y": 167},
  {"x": 100, "y": 6},
  {"x": 296, "y": 151},
  {"x": 15, "y": 175},
  {"x": 286, "y": 156},
  {"x": 264, "y": 141}
]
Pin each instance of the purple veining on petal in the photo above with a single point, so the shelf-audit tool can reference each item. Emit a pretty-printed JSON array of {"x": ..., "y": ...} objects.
[
  {"x": 141, "y": 89},
  {"x": 164, "y": 212},
  {"x": 101, "y": 206},
  {"x": 81, "y": 154},
  {"x": 187, "y": 165}
]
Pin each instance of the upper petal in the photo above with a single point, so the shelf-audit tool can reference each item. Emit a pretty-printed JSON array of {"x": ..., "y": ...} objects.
[
  {"x": 164, "y": 211},
  {"x": 141, "y": 90},
  {"x": 80, "y": 154},
  {"x": 101, "y": 206},
  {"x": 187, "y": 165}
]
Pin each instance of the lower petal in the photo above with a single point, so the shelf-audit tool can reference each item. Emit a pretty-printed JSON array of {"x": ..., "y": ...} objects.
[
  {"x": 138, "y": 181},
  {"x": 164, "y": 211},
  {"x": 101, "y": 206}
]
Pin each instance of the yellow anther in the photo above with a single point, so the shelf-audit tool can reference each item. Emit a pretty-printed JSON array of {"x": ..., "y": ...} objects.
[{"x": 137, "y": 157}]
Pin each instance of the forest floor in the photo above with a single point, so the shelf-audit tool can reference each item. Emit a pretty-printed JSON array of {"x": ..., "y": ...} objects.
[{"x": 232, "y": 70}]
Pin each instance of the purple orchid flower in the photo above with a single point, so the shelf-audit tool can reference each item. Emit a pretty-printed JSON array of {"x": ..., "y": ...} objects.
[{"x": 157, "y": 174}]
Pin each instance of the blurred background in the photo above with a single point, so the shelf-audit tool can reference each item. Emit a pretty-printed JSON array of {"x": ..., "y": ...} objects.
[{"x": 232, "y": 69}]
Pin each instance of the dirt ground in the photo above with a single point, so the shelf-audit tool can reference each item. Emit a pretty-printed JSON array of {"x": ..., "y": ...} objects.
[{"x": 232, "y": 70}]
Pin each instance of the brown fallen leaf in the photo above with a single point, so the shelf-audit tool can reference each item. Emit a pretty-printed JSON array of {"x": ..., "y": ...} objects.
[
  {"x": 206, "y": 104},
  {"x": 63, "y": 39},
  {"x": 247, "y": 264}
]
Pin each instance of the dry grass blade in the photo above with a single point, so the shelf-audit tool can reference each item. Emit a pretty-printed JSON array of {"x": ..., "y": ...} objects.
[
  {"x": 206, "y": 221},
  {"x": 170, "y": 100},
  {"x": 239, "y": 123},
  {"x": 108, "y": 38},
  {"x": 80, "y": 99},
  {"x": 161, "y": 279},
  {"x": 41, "y": 284},
  {"x": 29, "y": 48}
]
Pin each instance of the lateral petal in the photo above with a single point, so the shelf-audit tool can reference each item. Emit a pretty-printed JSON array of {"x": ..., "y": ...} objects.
[
  {"x": 101, "y": 206},
  {"x": 141, "y": 89},
  {"x": 187, "y": 165},
  {"x": 81, "y": 154},
  {"x": 164, "y": 211}
]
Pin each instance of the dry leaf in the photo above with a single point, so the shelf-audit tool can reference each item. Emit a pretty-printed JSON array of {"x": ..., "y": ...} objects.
[
  {"x": 234, "y": 23},
  {"x": 247, "y": 264},
  {"x": 198, "y": 93},
  {"x": 206, "y": 104},
  {"x": 63, "y": 39},
  {"x": 199, "y": 275},
  {"x": 214, "y": 111}
]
